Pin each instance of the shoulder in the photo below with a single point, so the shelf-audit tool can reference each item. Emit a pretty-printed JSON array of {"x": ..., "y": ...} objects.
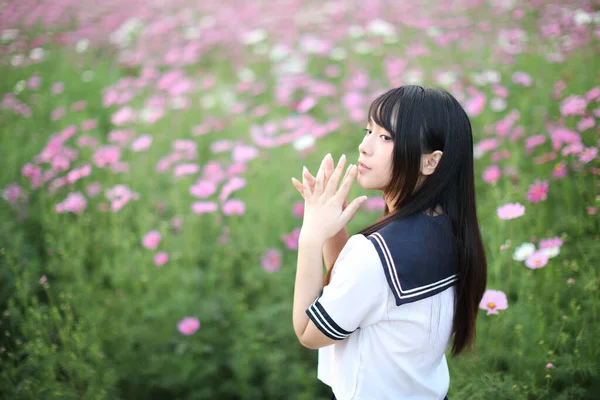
[
  {"x": 418, "y": 256},
  {"x": 359, "y": 256}
]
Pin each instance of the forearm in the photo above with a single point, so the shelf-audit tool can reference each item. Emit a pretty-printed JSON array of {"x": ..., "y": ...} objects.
[
  {"x": 309, "y": 280},
  {"x": 334, "y": 246}
]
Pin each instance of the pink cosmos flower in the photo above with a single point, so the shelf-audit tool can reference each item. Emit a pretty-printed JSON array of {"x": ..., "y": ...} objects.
[
  {"x": 14, "y": 193},
  {"x": 550, "y": 242},
  {"x": 58, "y": 113},
  {"x": 89, "y": 124},
  {"x": 93, "y": 189},
  {"x": 538, "y": 191},
  {"x": 122, "y": 116},
  {"x": 522, "y": 78},
  {"x": 188, "y": 325},
  {"x": 203, "y": 207},
  {"x": 376, "y": 203},
  {"x": 476, "y": 103},
  {"x": 588, "y": 154},
  {"x": 586, "y": 123},
  {"x": 203, "y": 189},
  {"x": 559, "y": 170},
  {"x": 491, "y": 174},
  {"x": 233, "y": 207},
  {"x": 244, "y": 153},
  {"x": 141, "y": 143},
  {"x": 537, "y": 259},
  {"x": 75, "y": 203},
  {"x": 57, "y": 88},
  {"x": 291, "y": 239},
  {"x": 492, "y": 301},
  {"x": 235, "y": 183},
  {"x": 549, "y": 366},
  {"x": 186, "y": 169},
  {"x": 271, "y": 261},
  {"x": 161, "y": 259},
  {"x": 306, "y": 104},
  {"x": 151, "y": 240},
  {"x": 511, "y": 211},
  {"x": 573, "y": 105},
  {"x": 298, "y": 209},
  {"x": 43, "y": 279},
  {"x": 106, "y": 155}
]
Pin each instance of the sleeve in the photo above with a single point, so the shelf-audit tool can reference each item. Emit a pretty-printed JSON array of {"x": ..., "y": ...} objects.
[{"x": 356, "y": 293}]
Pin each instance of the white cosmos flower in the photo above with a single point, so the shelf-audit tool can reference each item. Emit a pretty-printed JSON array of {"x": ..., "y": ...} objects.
[
  {"x": 498, "y": 104},
  {"x": 380, "y": 27},
  {"x": 304, "y": 142},
  {"x": 582, "y": 18},
  {"x": 523, "y": 251},
  {"x": 551, "y": 252},
  {"x": 254, "y": 37}
]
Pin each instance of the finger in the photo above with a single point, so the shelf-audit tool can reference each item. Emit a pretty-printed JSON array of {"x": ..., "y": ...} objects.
[
  {"x": 350, "y": 211},
  {"x": 328, "y": 168},
  {"x": 318, "y": 186},
  {"x": 335, "y": 176},
  {"x": 346, "y": 185},
  {"x": 306, "y": 186},
  {"x": 298, "y": 185}
]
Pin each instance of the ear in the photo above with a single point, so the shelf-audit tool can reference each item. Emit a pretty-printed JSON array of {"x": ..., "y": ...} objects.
[{"x": 430, "y": 162}]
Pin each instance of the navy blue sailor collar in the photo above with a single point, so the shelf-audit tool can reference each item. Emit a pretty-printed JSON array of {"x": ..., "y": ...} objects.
[{"x": 418, "y": 254}]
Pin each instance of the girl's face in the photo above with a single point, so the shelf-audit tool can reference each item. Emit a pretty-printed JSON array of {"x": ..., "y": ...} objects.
[{"x": 375, "y": 158}]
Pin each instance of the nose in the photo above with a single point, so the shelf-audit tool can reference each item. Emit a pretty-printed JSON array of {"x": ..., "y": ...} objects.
[{"x": 363, "y": 146}]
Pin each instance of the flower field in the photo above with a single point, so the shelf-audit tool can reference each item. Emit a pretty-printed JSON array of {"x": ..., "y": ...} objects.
[{"x": 149, "y": 221}]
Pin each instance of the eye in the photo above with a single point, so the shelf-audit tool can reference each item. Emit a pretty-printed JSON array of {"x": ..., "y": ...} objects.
[
  {"x": 386, "y": 138},
  {"x": 367, "y": 130}
]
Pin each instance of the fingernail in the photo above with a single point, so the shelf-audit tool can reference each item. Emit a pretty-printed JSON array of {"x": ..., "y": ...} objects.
[{"x": 304, "y": 170}]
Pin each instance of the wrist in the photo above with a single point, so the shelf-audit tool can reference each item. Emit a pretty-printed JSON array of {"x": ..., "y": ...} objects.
[{"x": 312, "y": 239}]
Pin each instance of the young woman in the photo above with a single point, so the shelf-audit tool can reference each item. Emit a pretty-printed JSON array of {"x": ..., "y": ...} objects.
[{"x": 397, "y": 291}]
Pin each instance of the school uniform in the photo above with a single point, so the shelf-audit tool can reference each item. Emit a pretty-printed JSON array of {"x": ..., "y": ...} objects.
[{"x": 390, "y": 304}]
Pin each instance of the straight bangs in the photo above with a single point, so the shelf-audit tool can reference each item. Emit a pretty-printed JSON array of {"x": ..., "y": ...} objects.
[{"x": 384, "y": 111}]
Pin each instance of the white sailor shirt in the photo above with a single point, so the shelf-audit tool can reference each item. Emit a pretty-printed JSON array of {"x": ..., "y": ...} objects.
[{"x": 390, "y": 303}]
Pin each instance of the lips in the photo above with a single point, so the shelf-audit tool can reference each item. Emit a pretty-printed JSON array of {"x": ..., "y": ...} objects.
[{"x": 363, "y": 165}]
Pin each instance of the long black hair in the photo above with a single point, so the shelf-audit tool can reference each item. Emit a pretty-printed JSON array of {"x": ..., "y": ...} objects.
[{"x": 420, "y": 121}]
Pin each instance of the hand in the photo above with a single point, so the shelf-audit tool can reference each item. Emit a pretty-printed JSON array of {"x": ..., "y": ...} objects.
[
  {"x": 323, "y": 214},
  {"x": 327, "y": 166}
]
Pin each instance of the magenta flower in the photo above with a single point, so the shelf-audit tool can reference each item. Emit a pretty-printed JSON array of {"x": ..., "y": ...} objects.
[
  {"x": 573, "y": 105},
  {"x": 291, "y": 239},
  {"x": 588, "y": 154},
  {"x": 537, "y": 259},
  {"x": 186, "y": 169},
  {"x": 538, "y": 191},
  {"x": 142, "y": 143},
  {"x": 234, "y": 183},
  {"x": 233, "y": 207},
  {"x": 14, "y": 193},
  {"x": 375, "y": 203},
  {"x": 75, "y": 203},
  {"x": 203, "y": 207},
  {"x": 271, "y": 261},
  {"x": 188, "y": 325},
  {"x": 161, "y": 259},
  {"x": 123, "y": 116},
  {"x": 203, "y": 189},
  {"x": 298, "y": 209},
  {"x": 550, "y": 242},
  {"x": 106, "y": 155},
  {"x": 511, "y": 211},
  {"x": 491, "y": 174},
  {"x": 559, "y": 170},
  {"x": 151, "y": 240},
  {"x": 492, "y": 301}
]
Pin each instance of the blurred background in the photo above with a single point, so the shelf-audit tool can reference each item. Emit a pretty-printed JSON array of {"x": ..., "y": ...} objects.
[{"x": 149, "y": 225}]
